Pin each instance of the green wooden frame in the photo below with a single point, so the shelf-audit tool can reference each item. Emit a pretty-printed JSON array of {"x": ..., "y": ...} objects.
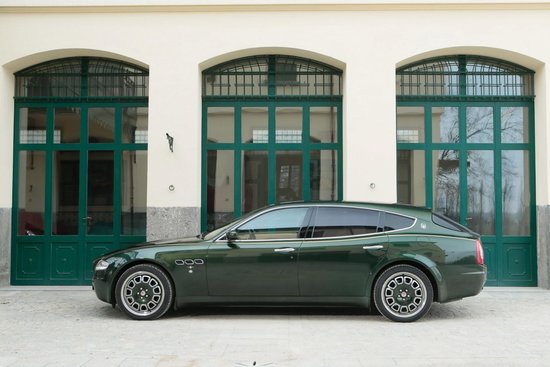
[{"x": 87, "y": 246}]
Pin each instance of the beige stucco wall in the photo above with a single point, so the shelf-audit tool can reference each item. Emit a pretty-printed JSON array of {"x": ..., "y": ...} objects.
[{"x": 176, "y": 45}]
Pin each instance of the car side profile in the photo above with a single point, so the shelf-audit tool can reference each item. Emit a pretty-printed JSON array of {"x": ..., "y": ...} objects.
[{"x": 396, "y": 258}]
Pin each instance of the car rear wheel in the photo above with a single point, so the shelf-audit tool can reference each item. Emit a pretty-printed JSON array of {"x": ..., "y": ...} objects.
[
  {"x": 144, "y": 292},
  {"x": 403, "y": 293}
]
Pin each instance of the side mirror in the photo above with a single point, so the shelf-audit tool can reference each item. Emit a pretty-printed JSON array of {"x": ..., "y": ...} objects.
[{"x": 231, "y": 236}]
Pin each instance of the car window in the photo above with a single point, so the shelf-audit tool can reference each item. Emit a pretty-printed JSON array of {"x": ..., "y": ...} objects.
[
  {"x": 336, "y": 222},
  {"x": 277, "y": 224},
  {"x": 393, "y": 222}
]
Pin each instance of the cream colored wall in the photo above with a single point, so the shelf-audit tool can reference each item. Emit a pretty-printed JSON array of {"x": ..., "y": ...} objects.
[{"x": 367, "y": 45}]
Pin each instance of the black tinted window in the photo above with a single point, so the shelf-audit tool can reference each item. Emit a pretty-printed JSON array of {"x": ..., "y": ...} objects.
[
  {"x": 394, "y": 221},
  {"x": 334, "y": 222}
]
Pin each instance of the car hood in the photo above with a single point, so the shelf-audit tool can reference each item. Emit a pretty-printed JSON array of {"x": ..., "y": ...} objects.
[{"x": 174, "y": 241}]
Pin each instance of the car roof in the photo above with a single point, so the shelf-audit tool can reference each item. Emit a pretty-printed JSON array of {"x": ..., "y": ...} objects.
[{"x": 400, "y": 208}]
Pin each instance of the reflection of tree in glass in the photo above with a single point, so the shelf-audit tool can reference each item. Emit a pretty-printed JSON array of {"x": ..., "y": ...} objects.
[
  {"x": 515, "y": 197},
  {"x": 481, "y": 192},
  {"x": 447, "y": 189},
  {"x": 479, "y": 124},
  {"x": 512, "y": 124}
]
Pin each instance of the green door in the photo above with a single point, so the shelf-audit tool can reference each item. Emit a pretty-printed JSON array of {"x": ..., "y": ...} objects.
[
  {"x": 466, "y": 148},
  {"x": 475, "y": 165},
  {"x": 80, "y": 166},
  {"x": 263, "y": 261},
  {"x": 78, "y": 189}
]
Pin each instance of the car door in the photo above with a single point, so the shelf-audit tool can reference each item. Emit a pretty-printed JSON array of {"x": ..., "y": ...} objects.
[
  {"x": 345, "y": 245},
  {"x": 262, "y": 260}
]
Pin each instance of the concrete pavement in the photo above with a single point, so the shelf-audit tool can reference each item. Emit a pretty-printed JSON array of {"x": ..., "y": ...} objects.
[{"x": 69, "y": 326}]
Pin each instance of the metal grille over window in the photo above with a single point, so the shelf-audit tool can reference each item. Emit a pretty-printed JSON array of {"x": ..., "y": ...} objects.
[
  {"x": 272, "y": 75},
  {"x": 82, "y": 77},
  {"x": 465, "y": 76}
]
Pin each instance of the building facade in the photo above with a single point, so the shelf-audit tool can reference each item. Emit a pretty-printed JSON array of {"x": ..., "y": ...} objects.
[{"x": 123, "y": 121}]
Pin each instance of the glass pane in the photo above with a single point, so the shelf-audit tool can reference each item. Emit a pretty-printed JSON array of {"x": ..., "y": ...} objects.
[
  {"x": 514, "y": 124},
  {"x": 335, "y": 222},
  {"x": 323, "y": 175},
  {"x": 254, "y": 124},
  {"x": 288, "y": 122},
  {"x": 67, "y": 125},
  {"x": 393, "y": 222},
  {"x": 254, "y": 182},
  {"x": 134, "y": 192},
  {"x": 411, "y": 177},
  {"x": 479, "y": 124},
  {"x": 445, "y": 125},
  {"x": 135, "y": 125},
  {"x": 277, "y": 224},
  {"x": 31, "y": 205},
  {"x": 221, "y": 124},
  {"x": 323, "y": 124},
  {"x": 515, "y": 193},
  {"x": 220, "y": 188},
  {"x": 100, "y": 192},
  {"x": 101, "y": 125},
  {"x": 289, "y": 176},
  {"x": 481, "y": 192},
  {"x": 410, "y": 124},
  {"x": 32, "y": 125},
  {"x": 446, "y": 198},
  {"x": 65, "y": 192}
]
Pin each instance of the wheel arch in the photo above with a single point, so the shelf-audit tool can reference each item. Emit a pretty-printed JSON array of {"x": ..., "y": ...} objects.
[
  {"x": 128, "y": 265},
  {"x": 426, "y": 269}
]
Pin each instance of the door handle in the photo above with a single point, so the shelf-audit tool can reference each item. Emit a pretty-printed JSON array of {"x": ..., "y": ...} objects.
[
  {"x": 284, "y": 250},
  {"x": 87, "y": 218},
  {"x": 373, "y": 247}
]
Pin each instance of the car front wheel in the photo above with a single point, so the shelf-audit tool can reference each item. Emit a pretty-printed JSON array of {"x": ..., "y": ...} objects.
[
  {"x": 144, "y": 292},
  {"x": 403, "y": 293}
]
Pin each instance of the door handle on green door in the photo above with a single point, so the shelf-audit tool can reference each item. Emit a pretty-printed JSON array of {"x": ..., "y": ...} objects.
[
  {"x": 373, "y": 247},
  {"x": 284, "y": 250}
]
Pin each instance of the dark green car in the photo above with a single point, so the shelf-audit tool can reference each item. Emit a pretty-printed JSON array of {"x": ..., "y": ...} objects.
[{"x": 398, "y": 258}]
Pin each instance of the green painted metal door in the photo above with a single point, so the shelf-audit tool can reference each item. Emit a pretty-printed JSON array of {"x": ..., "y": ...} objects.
[
  {"x": 76, "y": 186},
  {"x": 474, "y": 162}
]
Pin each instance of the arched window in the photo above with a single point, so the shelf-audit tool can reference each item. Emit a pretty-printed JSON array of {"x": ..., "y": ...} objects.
[
  {"x": 272, "y": 132},
  {"x": 82, "y": 77},
  {"x": 464, "y": 76},
  {"x": 465, "y": 141}
]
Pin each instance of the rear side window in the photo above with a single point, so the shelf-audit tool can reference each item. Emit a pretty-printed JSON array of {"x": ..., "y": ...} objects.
[
  {"x": 337, "y": 222},
  {"x": 446, "y": 223},
  {"x": 394, "y": 222}
]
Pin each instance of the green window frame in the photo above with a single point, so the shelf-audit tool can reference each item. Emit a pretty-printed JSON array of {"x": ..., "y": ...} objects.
[{"x": 270, "y": 82}]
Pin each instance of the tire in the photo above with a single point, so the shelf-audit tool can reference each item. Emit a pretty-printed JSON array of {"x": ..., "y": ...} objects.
[
  {"x": 144, "y": 292},
  {"x": 403, "y": 293}
]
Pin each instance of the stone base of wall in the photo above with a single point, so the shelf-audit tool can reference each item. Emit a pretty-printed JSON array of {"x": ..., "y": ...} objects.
[
  {"x": 543, "y": 246},
  {"x": 5, "y": 246},
  {"x": 173, "y": 222}
]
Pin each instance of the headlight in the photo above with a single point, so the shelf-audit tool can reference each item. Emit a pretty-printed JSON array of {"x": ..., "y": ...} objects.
[{"x": 101, "y": 265}]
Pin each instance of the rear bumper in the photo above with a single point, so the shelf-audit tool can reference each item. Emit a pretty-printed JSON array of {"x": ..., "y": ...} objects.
[{"x": 468, "y": 284}]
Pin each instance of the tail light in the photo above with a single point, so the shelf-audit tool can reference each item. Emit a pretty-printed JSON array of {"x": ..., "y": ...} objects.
[{"x": 479, "y": 253}]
